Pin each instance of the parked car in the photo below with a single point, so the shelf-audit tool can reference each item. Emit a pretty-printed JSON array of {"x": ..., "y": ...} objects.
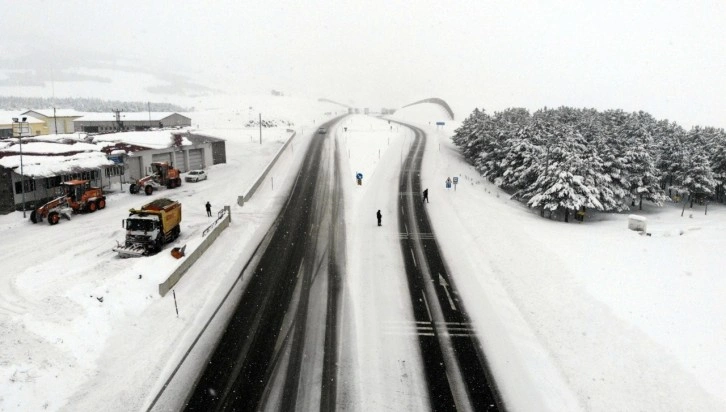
[
  {"x": 196, "y": 175},
  {"x": 322, "y": 130}
]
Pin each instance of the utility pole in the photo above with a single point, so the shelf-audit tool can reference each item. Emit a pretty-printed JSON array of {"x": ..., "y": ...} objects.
[
  {"x": 260, "y": 128},
  {"x": 148, "y": 106},
  {"x": 19, "y": 129},
  {"x": 55, "y": 121}
]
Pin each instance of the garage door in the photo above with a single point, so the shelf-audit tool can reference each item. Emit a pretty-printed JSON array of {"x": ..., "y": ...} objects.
[
  {"x": 161, "y": 157},
  {"x": 134, "y": 167},
  {"x": 179, "y": 162},
  {"x": 196, "y": 159}
]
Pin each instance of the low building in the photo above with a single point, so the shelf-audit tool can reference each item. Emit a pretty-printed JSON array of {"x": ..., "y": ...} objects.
[
  {"x": 35, "y": 176},
  {"x": 118, "y": 157},
  {"x": 189, "y": 151},
  {"x": 57, "y": 121},
  {"x": 31, "y": 125},
  {"x": 138, "y": 121}
]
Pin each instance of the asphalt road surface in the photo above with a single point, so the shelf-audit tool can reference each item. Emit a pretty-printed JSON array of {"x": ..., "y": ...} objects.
[
  {"x": 456, "y": 369},
  {"x": 278, "y": 351}
]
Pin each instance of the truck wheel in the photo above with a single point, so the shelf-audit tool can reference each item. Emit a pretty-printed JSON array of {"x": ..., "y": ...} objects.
[
  {"x": 175, "y": 232},
  {"x": 101, "y": 204},
  {"x": 149, "y": 190},
  {"x": 53, "y": 218},
  {"x": 90, "y": 207},
  {"x": 33, "y": 217},
  {"x": 178, "y": 181},
  {"x": 133, "y": 189}
]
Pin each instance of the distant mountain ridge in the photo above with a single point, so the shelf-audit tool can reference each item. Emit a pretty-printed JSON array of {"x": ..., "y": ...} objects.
[{"x": 83, "y": 104}]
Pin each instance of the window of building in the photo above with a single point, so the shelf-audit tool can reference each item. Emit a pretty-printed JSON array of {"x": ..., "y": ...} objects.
[{"x": 29, "y": 186}]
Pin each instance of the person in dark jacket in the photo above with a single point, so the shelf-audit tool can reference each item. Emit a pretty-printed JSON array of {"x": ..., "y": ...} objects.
[
  {"x": 379, "y": 216},
  {"x": 426, "y": 195},
  {"x": 209, "y": 209}
]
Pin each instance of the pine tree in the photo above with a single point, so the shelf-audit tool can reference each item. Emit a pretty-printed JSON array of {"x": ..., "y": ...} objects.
[
  {"x": 641, "y": 177},
  {"x": 565, "y": 183}
]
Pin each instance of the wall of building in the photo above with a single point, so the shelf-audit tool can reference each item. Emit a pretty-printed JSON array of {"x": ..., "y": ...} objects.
[
  {"x": 39, "y": 190},
  {"x": 174, "y": 120}
]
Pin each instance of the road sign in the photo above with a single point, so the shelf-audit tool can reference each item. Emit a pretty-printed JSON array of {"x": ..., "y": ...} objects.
[
  {"x": 456, "y": 180},
  {"x": 440, "y": 123},
  {"x": 359, "y": 175}
]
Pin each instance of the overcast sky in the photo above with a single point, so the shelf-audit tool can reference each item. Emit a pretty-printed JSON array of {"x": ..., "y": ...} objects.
[{"x": 667, "y": 58}]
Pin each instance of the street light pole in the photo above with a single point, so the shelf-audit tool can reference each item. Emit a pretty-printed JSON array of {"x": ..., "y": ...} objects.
[
  {"x": 55, "y": 121},
  {"x": 19, "y": 129}
]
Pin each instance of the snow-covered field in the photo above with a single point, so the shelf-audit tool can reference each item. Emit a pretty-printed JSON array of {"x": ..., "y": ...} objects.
[{"x": 586, "y": 316}]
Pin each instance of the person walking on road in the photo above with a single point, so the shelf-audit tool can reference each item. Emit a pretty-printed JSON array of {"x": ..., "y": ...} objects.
[
  {"x": 426, "y": 195},
  {"x": 209, "y": 209},
  {"x": 379, "y": 216}
]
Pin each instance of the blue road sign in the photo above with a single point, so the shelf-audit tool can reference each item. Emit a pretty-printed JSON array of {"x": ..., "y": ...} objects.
[{"x": 440, "y": 123}]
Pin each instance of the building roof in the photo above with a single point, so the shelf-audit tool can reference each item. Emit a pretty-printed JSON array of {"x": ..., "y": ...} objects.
[
  {"x": 154, "y": 139},
  {"x": 48, "y": 113},
  {"x": 127, "y": 117},
  {"x": 47, "y": 166},
  {"x": 6, "y": 117}
]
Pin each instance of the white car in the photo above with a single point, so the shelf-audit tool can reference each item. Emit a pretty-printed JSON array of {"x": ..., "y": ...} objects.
[{"x": 196, "y": 175}]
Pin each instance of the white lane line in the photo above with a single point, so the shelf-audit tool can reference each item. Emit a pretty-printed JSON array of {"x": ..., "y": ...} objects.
[
  {"x": 445, "y": 284},
  {"x": 406, "y": 226},
  {"x": 426, "y": 302},
  {"x": 413, "y": 257}
]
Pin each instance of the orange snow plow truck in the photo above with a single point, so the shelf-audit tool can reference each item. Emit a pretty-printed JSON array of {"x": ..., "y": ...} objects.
[
  {"x": 78, "y": 197},
  {"x": 162, "y": 175},
  {"x": 149, "y": 228}
]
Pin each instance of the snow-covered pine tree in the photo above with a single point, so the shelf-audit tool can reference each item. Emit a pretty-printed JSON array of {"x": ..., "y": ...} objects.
[
  {"x": 499, "y": 135},
  {"x": 669, "y": 141},
  {"x": 611, "y": 148},
  {"x": 468, "y": 134},
  {"x": 718, "y": 162},
  {"x": 523, "y": 161},
  {"x": 641, "y": 177},
  {"x": 566, "y": 182},
  {"x": 697, "y": 178}
]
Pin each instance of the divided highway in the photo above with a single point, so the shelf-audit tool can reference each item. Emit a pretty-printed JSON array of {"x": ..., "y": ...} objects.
[{"x": 279, "y": 350}]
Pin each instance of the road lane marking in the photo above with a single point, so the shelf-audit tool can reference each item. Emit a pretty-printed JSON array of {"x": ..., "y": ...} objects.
[
  {"x": 443, "y": 283},
  {"x": 426, "y": 302},
  {"x": 413, "y": 257}
]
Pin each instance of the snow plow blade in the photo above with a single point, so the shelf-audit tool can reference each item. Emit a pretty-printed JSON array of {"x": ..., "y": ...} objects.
[{"x": 126, "y": 252}]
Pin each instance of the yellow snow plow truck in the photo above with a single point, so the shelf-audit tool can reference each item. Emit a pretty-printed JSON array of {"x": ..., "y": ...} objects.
[{"x": 149, "y": 228}]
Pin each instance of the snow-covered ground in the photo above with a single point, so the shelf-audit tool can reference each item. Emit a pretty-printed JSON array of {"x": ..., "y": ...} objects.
[{"x": 586, "y": 316}]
